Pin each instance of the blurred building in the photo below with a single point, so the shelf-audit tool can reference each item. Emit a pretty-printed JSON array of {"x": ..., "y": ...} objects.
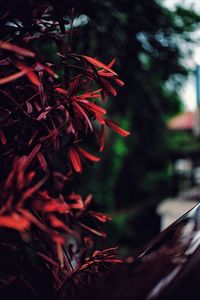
[
  {"x": 186, "y": 170},
  {"x": 184, "y": 121}
]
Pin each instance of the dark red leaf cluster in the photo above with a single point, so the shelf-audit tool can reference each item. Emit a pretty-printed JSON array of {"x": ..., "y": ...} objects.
[{"x": 49, "y": 106}]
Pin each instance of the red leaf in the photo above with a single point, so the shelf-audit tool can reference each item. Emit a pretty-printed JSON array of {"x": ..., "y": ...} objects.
[
  {"x": 62, "y": 91},
  {"x": 14, "y": 221},
  {"x": 88, "y": 155},
  {"x": 2, "y": 137},
  {"x": 104, "y": 73},
  {"x": 43, "y": 114},
  {"x": 56, "y": 206},
  {"x": 99, "y": 233},
  {"x": 111, "y": 76},
  {"x": 112, "y": 63},
  {"x": 56, "y": 223},
  {"x": 99, "y": 216},
  {"x": 60, "y": 254},
  {"x": 88, "y": 200},
  {"x": 97, "y": 63},
  {"x": 99, "y": 119},
  {"x": 51, "y": 72},
  {"x": 93, "y": 107},
  {"x": 42, "y": 161},
  {"x": 78, "y": 202},
  {"x": 109, "y": 87},
  {"x": 57, "y": 238},
  {"x": 33, "y": 153},
  {"x": 30, "y": 74},
  {"x": 119, "y": 82},
  {"x": 29, "y": 192},
  {"x": 43, "y": 95},
  {"x": 116, "y": 128},
  {"x": 33, "y": 78},
  {"x": 75, "y": 159},
  {"x": 113, "y": 260},
  {"x": 102, "y": 138},
  {"x": 12, "y": 77},
  {"x": 93, "y": 95},
  {"x": 79, "y": 108},
  {"x": 32, "y": 219},
  {"x": 16, "y": 49},
  {"x": 29, "y": 107}
]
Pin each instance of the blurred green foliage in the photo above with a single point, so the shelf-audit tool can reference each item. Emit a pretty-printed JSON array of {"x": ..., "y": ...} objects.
[
  {"x": 183, "y": 142},
  {"x": 148, "y": 41}
]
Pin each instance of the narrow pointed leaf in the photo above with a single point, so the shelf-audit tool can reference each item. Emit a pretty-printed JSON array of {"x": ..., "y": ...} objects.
[
  {"x": 88, "y": 155},
  {"x": 116, "y": 128},
  {"x": 12, "y": 77},
  {"x": 102, "y": 138},
  {"x": 75, "y": 159},
  {"x": 16, "y": 49},
  {"x": 97, "y": 63}
]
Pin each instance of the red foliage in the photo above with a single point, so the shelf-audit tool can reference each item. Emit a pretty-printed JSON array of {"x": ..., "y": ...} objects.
[{"x": 49, "y": 107}]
